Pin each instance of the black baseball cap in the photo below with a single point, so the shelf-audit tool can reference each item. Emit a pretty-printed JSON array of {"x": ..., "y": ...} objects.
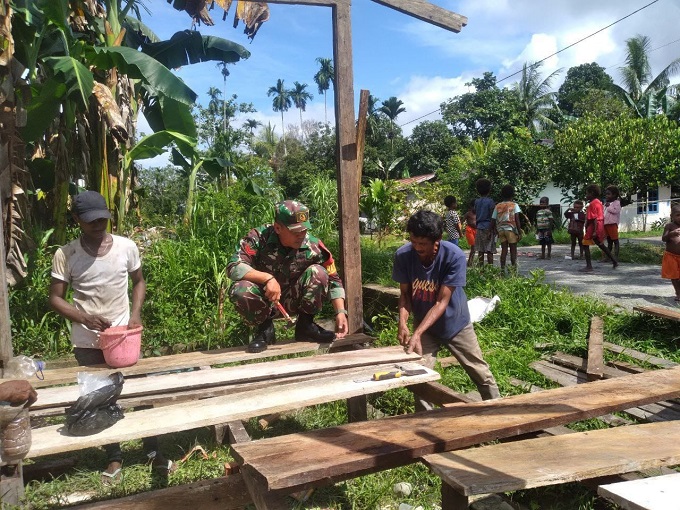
[{"x": 90, "y": 206}]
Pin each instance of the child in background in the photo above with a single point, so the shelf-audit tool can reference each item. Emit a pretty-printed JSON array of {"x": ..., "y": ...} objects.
[
  {"x": 594, "y": 227},
  {"x": 484, "y": 205},
  {"x": 612, "y": 214},
  {"x": 505, "y": 221},
  {"x": 544, "y": 225},
  {"x": 451, "y": 220},
  {"x": 577, "y": 220},
  {"x": 470, "y": 220},
  {"x": 670, "y": 266}
]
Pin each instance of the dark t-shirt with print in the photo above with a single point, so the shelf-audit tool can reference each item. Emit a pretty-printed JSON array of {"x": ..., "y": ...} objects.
[{"x": 448, "y": 268}]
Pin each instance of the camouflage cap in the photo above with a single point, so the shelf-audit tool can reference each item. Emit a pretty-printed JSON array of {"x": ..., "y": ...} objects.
[{"x": 293, "y": 215}]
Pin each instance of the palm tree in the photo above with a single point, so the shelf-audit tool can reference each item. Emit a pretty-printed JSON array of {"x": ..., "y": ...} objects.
[
  {"x": 641, "y": 90},
  {"x": 392, "y": 108},
  {"x": 324, "y": 77},
  {"x": 251, "y": 125},
  {"x": 300, "y": 96},
  {"x": 372, "y": 120},
  {"x": 281, "y": 103},
  {"x": 225, "y": 72},
  {"x": 535, "y": 96}
]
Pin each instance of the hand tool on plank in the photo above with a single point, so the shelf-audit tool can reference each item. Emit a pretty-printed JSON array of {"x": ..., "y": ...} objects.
[{"x": 383, "y": 375}]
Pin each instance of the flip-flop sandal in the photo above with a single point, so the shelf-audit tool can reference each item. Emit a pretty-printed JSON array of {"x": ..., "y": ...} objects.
[{"x": 111, "y": 478}]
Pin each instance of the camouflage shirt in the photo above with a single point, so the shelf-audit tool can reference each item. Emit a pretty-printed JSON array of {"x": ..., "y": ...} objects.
[{"x": 261, "y": 250}]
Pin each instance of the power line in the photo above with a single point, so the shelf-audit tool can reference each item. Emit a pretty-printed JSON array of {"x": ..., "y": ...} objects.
[{"x": 552, "y": 55}]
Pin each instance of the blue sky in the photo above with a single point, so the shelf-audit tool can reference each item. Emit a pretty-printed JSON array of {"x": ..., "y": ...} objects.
[{"x": 423, "y": 65}]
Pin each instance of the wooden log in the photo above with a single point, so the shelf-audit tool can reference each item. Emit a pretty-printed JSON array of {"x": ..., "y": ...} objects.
[
  {"x": 595, "y": 364},
  {"x": 299, "y": 461},
  {"x": 227, "y": 493},
  {"x": 659, "y": 311},
  {"x": 201, "y": 379},
  {"x": 202, "y": 413},
  {"x": 559, "y": 459},
  {"x": 640, "y": 356}
]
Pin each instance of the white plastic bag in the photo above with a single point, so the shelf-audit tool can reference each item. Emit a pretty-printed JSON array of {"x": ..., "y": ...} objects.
[
  {"x": 480, "y": 307},
  {"x": 90, "y": 381}
]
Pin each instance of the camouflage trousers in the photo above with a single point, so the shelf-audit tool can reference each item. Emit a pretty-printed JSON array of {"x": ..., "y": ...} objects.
[{"x": 306, "y": 295}]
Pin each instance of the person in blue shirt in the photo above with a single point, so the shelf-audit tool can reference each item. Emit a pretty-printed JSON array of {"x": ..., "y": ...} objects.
[
  {"x": 431, "y": 274},
  {"x": 485, "y": 240}
]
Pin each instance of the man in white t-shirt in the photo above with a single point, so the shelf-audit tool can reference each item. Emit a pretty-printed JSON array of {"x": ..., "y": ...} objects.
[{"x": 97, "y": 266}]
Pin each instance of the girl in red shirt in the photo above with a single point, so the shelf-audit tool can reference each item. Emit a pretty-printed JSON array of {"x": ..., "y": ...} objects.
[{"x": 595, "y": 234}]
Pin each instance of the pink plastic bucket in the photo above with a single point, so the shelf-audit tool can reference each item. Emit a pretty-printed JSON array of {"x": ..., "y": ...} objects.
[{"x": 121, "y": 345}]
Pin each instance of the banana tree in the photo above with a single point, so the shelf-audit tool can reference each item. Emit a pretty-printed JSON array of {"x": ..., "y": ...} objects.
[{"x": 64, "y": 70}]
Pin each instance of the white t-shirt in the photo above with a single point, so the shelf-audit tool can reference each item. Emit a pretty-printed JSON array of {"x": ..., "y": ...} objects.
[{"x": 100, "y": 284}]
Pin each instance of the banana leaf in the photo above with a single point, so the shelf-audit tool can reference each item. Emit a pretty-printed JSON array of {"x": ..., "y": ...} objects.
[
  {"x": 140, "y": 66},
  {"x": 190, "y": 47}
]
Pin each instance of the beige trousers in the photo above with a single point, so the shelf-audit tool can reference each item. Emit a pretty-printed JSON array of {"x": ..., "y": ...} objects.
[{"x": 465, "y": 347}]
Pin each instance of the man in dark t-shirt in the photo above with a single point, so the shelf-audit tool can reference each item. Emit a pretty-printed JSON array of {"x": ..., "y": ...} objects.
[{"x": 431, "y": 275}]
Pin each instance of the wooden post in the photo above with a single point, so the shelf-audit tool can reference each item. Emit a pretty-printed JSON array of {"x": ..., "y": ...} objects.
[
  {"x": 361, "y": 134},
  {"x": 5, "y": 330},
  {"x": 346, "y": 154}
]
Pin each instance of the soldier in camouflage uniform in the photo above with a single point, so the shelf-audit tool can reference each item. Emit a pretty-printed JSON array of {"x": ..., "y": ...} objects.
[{"x": 284, "y": 263}]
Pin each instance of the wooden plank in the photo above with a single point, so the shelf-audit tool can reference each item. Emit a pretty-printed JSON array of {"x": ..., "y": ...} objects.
[
  {"x": 438, "y": 394},
  {"x": 640, "y": 356},
  {"x": 211, "y": 411},
  {"x": 427, "y": 12},
  {"x": 177, "y": 362},
  {"x": 237, "y": 432},
  {"x": 357, "y": 338},
  {"x": 227, "y": 493},
  {"x": 6, "y": 351},
  {"x": 263, "y": 499},
  {"x": 595, "y": 365},
  {"x": 346, "y": 172},
  {"x": 580, "y": 364},
  {"x": 361, "y": 134},
  {"x": 200, "y": 379},
  {"x": 656, "y": 493},
  {"x": 559, "y": 459},
  {"x": 610, "y": 419},
  {"x": 304, "y": 460},
  {"x": 649, "y": 412},
  {"x": 659, "y": 311}
]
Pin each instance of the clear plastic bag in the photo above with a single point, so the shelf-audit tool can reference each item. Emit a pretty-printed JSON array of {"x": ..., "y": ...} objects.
[
  {"x": 97, "y": 410},
  {"x": 91, "y": 381},
  {"x": 15, "y": 433}
]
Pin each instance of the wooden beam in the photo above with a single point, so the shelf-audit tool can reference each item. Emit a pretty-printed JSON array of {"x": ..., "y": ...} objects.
[
  {"x": 6, "y": 351},
  {"x": 640, "y": 356},
  {"x": 438, "y": 394},
  {"x": 300, "y": 461},
  {"x": 200, "y": 379},
  {"x": 346, "y": 156},
  {"x": 595, "y": 365},
  {"x": 427, "y": 12},
  {"x": 659, "y": 311},
  {"x": 361, "y": 134},
  {"x": 554, "y": 460},
  {"x": 656, "y": 493},
  {"x": 227, "y": 493}
]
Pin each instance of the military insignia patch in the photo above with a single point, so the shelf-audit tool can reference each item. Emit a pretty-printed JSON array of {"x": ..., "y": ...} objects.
[{"x": 301, "y": 217}]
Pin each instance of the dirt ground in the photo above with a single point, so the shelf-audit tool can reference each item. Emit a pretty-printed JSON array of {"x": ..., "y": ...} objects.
[{"x": 626, "y": 286}]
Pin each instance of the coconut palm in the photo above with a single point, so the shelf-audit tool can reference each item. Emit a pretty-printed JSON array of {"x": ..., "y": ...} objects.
[
  {"x": 251, "y": 125},
  {"x": 225, "y": 72},
  {"x": 324, "y": 77},
  {"x": 535, "y": 96},
  {"x": 281, "y": 103},
  {"x": 300, "y": 96},
  {"x": 644, "y": 92},
  {"x": 392, "y": 108}
]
